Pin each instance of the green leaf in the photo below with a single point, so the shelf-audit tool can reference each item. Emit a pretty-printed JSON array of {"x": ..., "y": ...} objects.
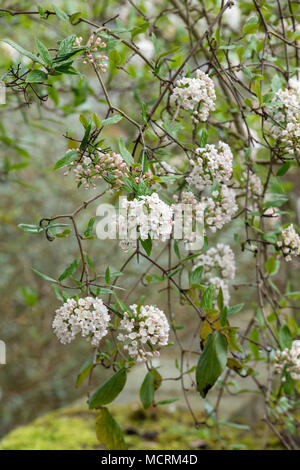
[
  {"x": 44, "y": 276},
  {"x": 254, "y": 336},
  {"x": 109, "y": 390},
  {"x": 69, "y": 157},
  {"x": 86, "y": 136},
  {"x": 89, "y": 229},
  {"x": 234, "y": 309},
  {"x": 203, "y": 138},
  {"x": 147, "y": 245},
  {"x": 107, "y": 275},
  {"x": 61, "y": 14},
  {"x": 285, "y": 337},
  {"x": 284, "y": 168},
  {"x": 66, "y": 45},
  {"x": 251, "y": 26},
  {"x": 212, "y": 362},
  {"x": 22, "y": 51},
  {"x": 207, "y": 298},
  {"x": 75, "y": 17},
  {"x": 84, "y": 371},
  {"x": 272, "y": 265},
  {"x": 112, "y": 120},
  {"x": 96, "y": 120},
  {"x": 147, "y": 390},
  {"x": 69, "y": 270},
  {"x": 84, "y": 121},
  {"x": 108, "y": 431},
  {"x": 127, "y": 157},
  {"x": 44, "y": 53},
  {"x": 195, "y": 276},
  {"x": 30, "y": 228},
  {"x": 36, "y": 76}
]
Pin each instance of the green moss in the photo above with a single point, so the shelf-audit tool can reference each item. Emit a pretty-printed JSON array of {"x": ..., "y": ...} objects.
[
  {"x": 54, "y": 431},
  {"x": 74, "y": 428}
]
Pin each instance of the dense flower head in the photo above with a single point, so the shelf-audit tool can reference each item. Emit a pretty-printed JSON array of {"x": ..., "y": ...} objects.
[
  {"x": 100, "y": 165},
  {"x": 146, "y": 216},
  {"x": 189, "y": 212},
  {"x": 255, "y": 184},
  {"x": 220, "y": 207},
  {"x": 288, "y": 360},
  {"x": 88, "y": 316},
  {"x": 286, "y": 124},
  {"x": 145, "y": 331},
  {"x": 190, "y": 92},
  {"x": 218, "y": 268},
  {"x": 289, "y": 242},
  {"x": 212, "y": 165},
  {"x": 220, "y": 260}
]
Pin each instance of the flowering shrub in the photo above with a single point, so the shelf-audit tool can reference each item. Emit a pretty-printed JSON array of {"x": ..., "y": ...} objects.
[{"x": 204, "y": 113}]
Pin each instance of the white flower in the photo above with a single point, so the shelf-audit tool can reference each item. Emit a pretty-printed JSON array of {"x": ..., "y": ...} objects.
[
  {"x": 218, "y": 268},
  {"x": 289, "y": 243},
  {"x": 219, "y": 210},
  {"x": 286, "y": 124},
  {"x": 146, "y": 329},
  {"x": 190, "y": 92},
  {"x": 146, "y": 215},
  {"x": 213, "y": 165},
  {"x": 289, "y": 360},
  {"x": 88, "y": 316}
]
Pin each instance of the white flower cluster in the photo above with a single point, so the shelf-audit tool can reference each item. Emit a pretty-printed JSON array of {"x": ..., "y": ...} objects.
[
  {"x": 88, "y": 316},
  {"x": 213, "y": 165},
  {"x": 287, "y": 115},
  {"x": 146, "y": 215},
  {"x": 189, "y": 212},
  {"x": 190, "y": 92},
  {"x": 214, "y": 211},
  {"x": 289, "y": 243},
  {"x": 255, "y": 184},
  {"x": 94, "y": 43},
  {"x": 288, "y": 360},
  {"x": 218, "y": 268},
  {"x": 100, "y": 165},
  {"x": 145, "y": 330},
  {"x": 220, "y": 208}
]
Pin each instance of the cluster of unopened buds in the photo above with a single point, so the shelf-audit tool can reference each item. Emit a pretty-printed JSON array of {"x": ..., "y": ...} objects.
[
  {"x": 218, "y": 268},
  {"x": 145, "y": 216},
  {"x": 191, "y": 93},
  {"x": 289, "y": 242},
  {"x": 100, "y": 165},
  {"x": 144, "y": 331},
  {"x": 288, "y": 361},
  {"x": 88, "y": 316},
  {"x": 212, "y": 165},
  {"x": 94, "y": 43}
]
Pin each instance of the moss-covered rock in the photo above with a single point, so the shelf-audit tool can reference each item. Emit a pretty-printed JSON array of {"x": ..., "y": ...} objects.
[{"x": 163, "y": 428}]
